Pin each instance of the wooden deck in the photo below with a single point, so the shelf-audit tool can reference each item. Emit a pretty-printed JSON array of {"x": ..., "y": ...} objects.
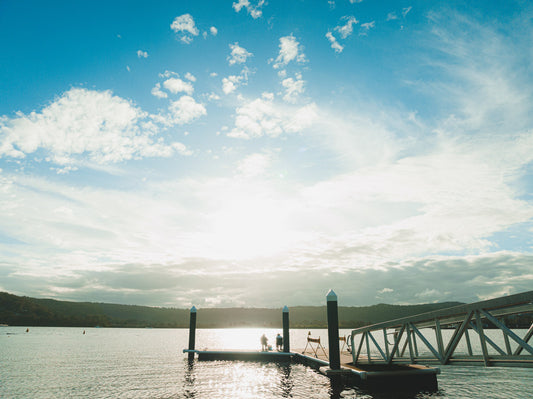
[{"x": 372, "y": 376}]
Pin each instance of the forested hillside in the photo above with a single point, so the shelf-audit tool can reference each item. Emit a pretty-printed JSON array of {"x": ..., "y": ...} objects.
[{"x": 25, "y": 311}]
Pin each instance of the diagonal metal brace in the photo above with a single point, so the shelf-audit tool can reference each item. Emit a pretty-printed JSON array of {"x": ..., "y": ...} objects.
[
  {"x": 426, "y": 342},
  {"x": 507, "y": 331}
]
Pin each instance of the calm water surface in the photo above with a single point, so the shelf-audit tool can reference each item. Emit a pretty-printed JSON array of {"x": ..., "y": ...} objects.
[{"x": 149, "y": 363}]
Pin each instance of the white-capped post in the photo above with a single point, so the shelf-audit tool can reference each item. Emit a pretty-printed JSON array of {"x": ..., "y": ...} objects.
[
  {"x": 286, "y": 340},
  {"x": 192, "y": 332},
  {"x": 333, "y": 331}
]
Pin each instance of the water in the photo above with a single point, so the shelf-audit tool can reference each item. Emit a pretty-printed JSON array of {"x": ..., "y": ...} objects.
[{"x": 149, "y": 363}]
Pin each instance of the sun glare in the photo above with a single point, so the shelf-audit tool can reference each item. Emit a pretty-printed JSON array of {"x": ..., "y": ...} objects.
[{"x": 245, "y": 229}]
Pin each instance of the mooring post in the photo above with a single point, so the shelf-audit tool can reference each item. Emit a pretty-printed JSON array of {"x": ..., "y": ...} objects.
[
  {"x": 192, "y": 332},
  {"x": 286, "y": 338},
  {"x": 333, "y": 331}
]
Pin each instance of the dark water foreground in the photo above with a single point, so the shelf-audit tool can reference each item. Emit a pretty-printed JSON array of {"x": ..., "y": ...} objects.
[{"x": 148, "y": 363}]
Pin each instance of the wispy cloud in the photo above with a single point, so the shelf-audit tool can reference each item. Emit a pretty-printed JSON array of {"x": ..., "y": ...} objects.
[
  {"x": 254, "y": 165},
  {"x": 347, "y": 29},
  {"x": 391, "y": 16},
  {"x": 367, "y": 26},
  {"x": 253, "y": 8},
  {"x": 344, "y": 31},
  {"x": 334, "y": 43},
  {"x": 263, "y": 117},
  {"x": 336, "y": 180}
]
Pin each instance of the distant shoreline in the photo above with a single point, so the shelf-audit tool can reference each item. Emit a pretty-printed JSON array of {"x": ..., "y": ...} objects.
[{"x": 33, "y": 312}]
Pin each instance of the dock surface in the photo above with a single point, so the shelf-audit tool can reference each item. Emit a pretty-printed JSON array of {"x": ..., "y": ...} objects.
[{"x": 373, "y": 376}]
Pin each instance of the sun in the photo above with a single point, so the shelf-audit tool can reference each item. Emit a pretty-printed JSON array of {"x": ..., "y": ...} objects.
[{"x": 245, "y": 228}]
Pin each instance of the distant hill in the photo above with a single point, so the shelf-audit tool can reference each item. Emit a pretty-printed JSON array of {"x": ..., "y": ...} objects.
[{"x": 25, "y": 311}]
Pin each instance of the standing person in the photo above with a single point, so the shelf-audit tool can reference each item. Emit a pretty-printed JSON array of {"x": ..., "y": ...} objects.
[
  {"x": 264, "y": 343},
  {"x": 279, "y": 342}
]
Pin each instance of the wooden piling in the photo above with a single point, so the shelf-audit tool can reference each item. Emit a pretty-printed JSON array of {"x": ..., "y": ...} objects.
[
  {"x": 333, "y": 331},
  {"x": 192, "y": 332},
  {"x": 286, "y": 338}
]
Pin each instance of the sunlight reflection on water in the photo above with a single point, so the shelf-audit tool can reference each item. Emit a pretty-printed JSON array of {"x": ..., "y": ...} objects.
[{"x": 149, "y": 363}]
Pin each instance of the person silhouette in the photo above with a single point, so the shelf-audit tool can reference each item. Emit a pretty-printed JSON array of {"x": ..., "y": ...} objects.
[
  {"x": 279, "y": 342},
  {"x": 264, "y": 343}
]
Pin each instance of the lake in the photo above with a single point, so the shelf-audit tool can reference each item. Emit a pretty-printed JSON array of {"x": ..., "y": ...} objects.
[{"x": 51, "y": 362}]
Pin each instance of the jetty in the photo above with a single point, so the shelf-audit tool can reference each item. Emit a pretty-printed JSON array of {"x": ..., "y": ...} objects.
[
  {"x": 401, "y": 354},
  {"x": 337, "y": 364}
]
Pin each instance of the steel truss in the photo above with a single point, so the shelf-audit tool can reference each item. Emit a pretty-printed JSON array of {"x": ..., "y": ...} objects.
[{"x": 435, "y": 337}]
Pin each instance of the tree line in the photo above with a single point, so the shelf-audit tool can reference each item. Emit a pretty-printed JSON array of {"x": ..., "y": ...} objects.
[{"x": 26, "y": 311}]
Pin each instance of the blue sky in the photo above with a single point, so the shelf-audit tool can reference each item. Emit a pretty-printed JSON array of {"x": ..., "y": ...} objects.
[{"x": 259, "y": 153}]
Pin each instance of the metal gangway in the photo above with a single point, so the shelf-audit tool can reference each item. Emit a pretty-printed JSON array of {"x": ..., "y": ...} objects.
[{"x": 474, "y": 334}]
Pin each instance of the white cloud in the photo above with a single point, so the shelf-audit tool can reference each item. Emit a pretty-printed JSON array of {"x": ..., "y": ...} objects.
[
  {"x": 213, "y": 97},
  {"x": 450, "y": 199},
  {"x": 142, "y": 54},
  {"x": 213, "y": 31},
  {"x": 293, "y": 88},
  {"x": 156, "y": 91},
  {"x": 230, "y": 84},
  {"x": 476, "y": 68},
  {"x": 268, "y": 96},
  {"x": 190, "y": 76},
  {"x": 181, "y": 148},
  {"x": 334, "y": 43},
  {"x": 428, "y": 293},
  {"x": 238, "y": 54},
  {"x": 393, "y": 15},
  {"x": 347, "y": 29},
  {"x": 185, "y": 110},
  {"x": 168, "y": 74},
  {"x": 262, "y": 117},
  {"x": 176, "y": 85},
  {"x": 254, "y": 165},
  {"x": 185, "y": 26},
  {"x": 356, "y": 1},
  {"x": 254, "y": 10},
  {"x": 83, "y": 124},
  {"x": 388, "y": 194},
  {"x": 289, "y": 50},
  {"x": 367, "y": 26}
]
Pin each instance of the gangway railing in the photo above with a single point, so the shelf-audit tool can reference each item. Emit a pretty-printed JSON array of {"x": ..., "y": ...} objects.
[{"x": 447, "y": 336}]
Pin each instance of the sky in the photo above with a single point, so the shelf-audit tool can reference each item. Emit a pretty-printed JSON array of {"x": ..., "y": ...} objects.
[{"x": 259, "y": 153}]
